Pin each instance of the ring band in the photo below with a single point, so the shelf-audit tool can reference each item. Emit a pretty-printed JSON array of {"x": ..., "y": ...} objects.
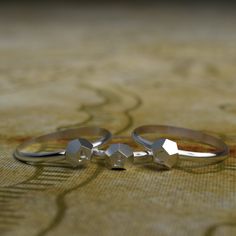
[
  {"x": 61, "y": 154},
  {"x": 220, "y": 154}
]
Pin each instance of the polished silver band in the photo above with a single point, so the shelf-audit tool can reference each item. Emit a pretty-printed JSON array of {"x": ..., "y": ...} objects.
[
  {"x": 102, "y": 137},
  {"x": 219, "y": 154}
]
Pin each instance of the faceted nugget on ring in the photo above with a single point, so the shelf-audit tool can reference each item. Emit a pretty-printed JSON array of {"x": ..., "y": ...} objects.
[
  {"x": 119, "y": 156},
  {"x": 79, "y": 152},
  {"x": 165, "y": 152}
]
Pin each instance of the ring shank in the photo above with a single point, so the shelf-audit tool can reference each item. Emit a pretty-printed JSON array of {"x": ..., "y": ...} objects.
[{"x": 187, "y": 134}]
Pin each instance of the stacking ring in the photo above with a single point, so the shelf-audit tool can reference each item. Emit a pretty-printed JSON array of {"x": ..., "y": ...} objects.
[
  {"x": 78, "y": 151},
  {"x": 165, "y": 152}
]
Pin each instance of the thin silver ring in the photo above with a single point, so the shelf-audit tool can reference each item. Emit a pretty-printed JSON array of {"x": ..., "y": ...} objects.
[
  {"x": 220, "y": 154},
  {"x": 103, "y": 137}
]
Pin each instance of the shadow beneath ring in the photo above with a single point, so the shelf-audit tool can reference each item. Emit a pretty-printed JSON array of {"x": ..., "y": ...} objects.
[{"x": 194, "y": 167}]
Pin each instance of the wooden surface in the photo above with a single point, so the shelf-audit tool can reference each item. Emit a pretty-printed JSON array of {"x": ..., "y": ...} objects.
[{"x": 117, "y": 68}]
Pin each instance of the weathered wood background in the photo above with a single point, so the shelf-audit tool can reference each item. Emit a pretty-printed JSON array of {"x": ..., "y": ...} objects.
[{"x": 118, "y": 68}]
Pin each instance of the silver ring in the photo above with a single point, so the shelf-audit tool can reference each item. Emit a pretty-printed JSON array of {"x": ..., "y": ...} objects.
[
  {"x": 166, "y": 152},
  {"x": 78, "y": 151}
]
